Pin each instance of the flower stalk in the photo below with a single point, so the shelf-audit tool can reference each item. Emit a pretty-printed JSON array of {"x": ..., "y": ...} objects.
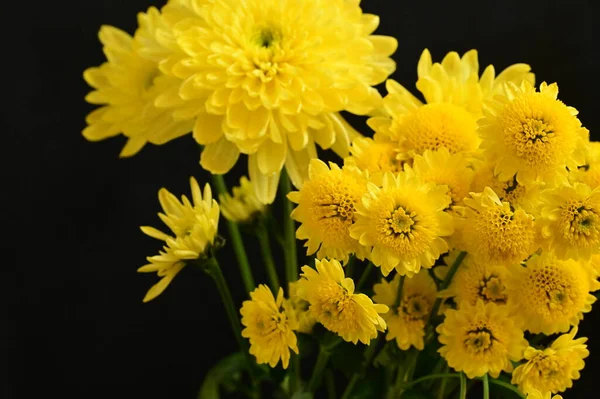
[
  {"x": 265, "y": 249},
  {"x": 290, "y": 256}
]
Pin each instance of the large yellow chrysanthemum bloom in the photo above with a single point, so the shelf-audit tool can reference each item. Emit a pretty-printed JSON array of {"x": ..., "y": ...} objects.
[
  {"x": 476, "y": 281},
  {"x": 306, "y": 319},
  {"x": 269, "y": 77},
  {"x": 127, "y": 86},
  {"x": 194, "y": 226},
  {"x": 333, "y": 302},
  {"x": 554, "y": 368},
  {"x": 535, "y": 394},
  {"x": 479, "y": 339},
  {"x": 243, "y": 205},
  {"x": 588, "y": 172},
  {"x": 376, "y": 155},
  {"x": 532, "y": 134},
  {"x": 270, "y": 325},
  {"x": 570, "y": 221},
  {"x": 326, "y": 210},
  {"x": 406, "y": 323},
  {"x": 550, "y": 295},
  {"x": 443, "y": 168},
  {"x": 492, "y": 231},
  {"x": 454, "y": 96},
  {"x": 403, "y": 223}
]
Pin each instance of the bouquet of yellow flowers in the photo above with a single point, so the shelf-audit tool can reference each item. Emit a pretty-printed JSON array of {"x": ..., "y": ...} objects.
[{"x": 456, "y": 244}]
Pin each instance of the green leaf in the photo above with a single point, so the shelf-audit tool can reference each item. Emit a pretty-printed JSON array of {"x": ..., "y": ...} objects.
[{"x": 226, "y": 373}]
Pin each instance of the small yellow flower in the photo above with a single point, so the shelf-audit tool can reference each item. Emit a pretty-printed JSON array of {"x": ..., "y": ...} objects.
[
  {"x": 270, "y": 325},
  {"x": 571, "y": 221},
  {"x": 479, "y": 339},
  {"x": 194, "y": 226},
  {"x": 550, "y": 295},
  {"x": 403, "y": 223},
  {"x": 269, "y": 79},
  {"x": 443, "y": 168},
  {"x": 535, "y": 394},
  {"x": 306, "y": 318},
  {"x": 476, "y": 281},
  {"x": 589, "y": 171},
  {"x": 492, "y": 231},
  {"x": 376, "y": 155},
  {"x": 333, "y": 302},
  {"x": 406, "y": 323},
  {"x": 532, "y": 134},
  {"x": 126, "y": 87},
  {"x": 454, "y": 95},
  {"x": 326, "y": 209},
  {"x": 554, "y": 368},
  {"x": 243, "y": 206}
]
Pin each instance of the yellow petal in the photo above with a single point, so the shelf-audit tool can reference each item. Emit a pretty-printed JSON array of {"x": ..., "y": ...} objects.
[
  {"x": 271, "y": 157},
  {"x": 265, "y": 186},
  {"x": 159, "y": 287},
  {"x": 208, "y": 128},
  {"x": 219, "y": 157}
]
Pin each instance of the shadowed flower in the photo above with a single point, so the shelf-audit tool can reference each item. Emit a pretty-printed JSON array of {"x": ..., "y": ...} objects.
[{"x": 243, "y": 205}]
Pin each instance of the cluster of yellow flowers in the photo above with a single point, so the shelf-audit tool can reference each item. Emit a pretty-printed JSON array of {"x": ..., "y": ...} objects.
[{"x": 479, "y": 206}]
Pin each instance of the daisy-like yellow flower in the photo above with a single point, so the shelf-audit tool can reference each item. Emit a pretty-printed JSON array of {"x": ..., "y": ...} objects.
[
  {"x": 570, "y": 220},
  {"x": 492, "y": 231},
  {"x": 476, "y": 281},
  {"x": 552, "y": 369},
  {"x": 549, "y": 294},
  {"x": 326, "y": 209},
  {"x": 532, "y": 134},
  {"x": 306, "y": 319},
  {"x": 333, "y": 302},
  {"x": 126, "y": 87},
  {"x": 268, "y": 79},
  {"x": 376, "y": 155},
  {"x": 243, "y": 205},
  {"x": 481, "y": 338},
  {"x": 194, "y": 227},
  {"x": 406, "y": 323},
  {"x": 269, "y": 325},
  {"x": 403, "y": 223},
  {"x": 535, "y": 394},
  {"x": 588, "y": 172},
  {"x": 454, "y": 96},
  {"x": 443, "y": 168}
]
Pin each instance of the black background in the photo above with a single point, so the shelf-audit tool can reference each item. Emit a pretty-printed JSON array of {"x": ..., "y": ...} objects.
[{"x": 74, "y": 324}]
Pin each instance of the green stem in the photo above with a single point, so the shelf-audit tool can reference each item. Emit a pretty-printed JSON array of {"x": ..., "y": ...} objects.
[
  {"x": 349, "y": 267},
  {"x": 330, "y": 385},
  {"x": 507, "y": 386},
  {"x": 356, "y": 376},
  {"x": 486, "y": 387},
  {"x": 319, "y": 370},
  {"x": 445, "y": 284},
  {"x": 236, "y": 240},
  {"x": 364, "y": 276},
  {"x": 430, "y": 377},
  {"x": 265, "y": 249},
  {"x": 463, "y": 386},
  {"x": 295, "y": 376},
  {"x": 442, "y": 388},
  {"x": 398, "y": 300},
  {"x": 289, "y": 233}
]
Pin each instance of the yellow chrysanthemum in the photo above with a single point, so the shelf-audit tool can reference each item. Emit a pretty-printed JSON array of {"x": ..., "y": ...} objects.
[
  {"x": 476, "y": 281},
  {"x": 535, "y": 394},
  {"x": 194, "y": 226},
  {"x": 532, "y": 134},
  {"x": 376, "y": 155},
  {"x": 554, "y": 368},
  {"x": 454, "y": 94},
  {"x": 270, "y": 325},
  {"x": 269, "y": 78},
  {"x": 406, "y": 323},
  {"x": 403, "y": 223},
  {"x": 306, "y": 319},
  {"x": 443, "y": 168},
  {"x": 333, "y": 302},
  {"x": 589, "y": 171},
  {"x": 481, "y": 338},
  {"x": 550, "y": 295},
  {"x": 326, "y": 209},
  {"x": 492, "y": 231},
  {"x": 570, "y": 220},
  {"x": 126, "y": 87},
  {"x": 507, "y": 190},
  {"x": 243, "y": 205}
]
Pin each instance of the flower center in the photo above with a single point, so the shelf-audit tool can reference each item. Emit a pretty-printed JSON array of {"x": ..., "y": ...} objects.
[
  {"x": 335, "y": 299},
  {"x": 492, "y": 290},
  {"x": 401, "y": 222},
  {"x": 580, "y": 221},
  {"x": 479, "y": 340},
  {"x": 535, "y": 130},
  {"x": 340, "y": 206},
  {"x": 415, "y": 307}
]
